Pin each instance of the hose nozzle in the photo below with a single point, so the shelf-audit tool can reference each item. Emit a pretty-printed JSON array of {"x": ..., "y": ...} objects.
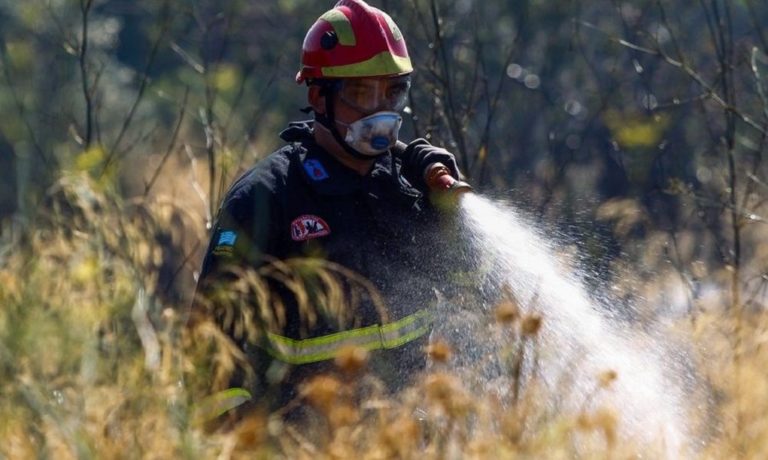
[
  {"x": 446, "y": 189},
  {"x": 439, "y": 179}
]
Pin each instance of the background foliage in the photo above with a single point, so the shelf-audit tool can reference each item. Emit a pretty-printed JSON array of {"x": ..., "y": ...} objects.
[{"x": 638, "y": 128}]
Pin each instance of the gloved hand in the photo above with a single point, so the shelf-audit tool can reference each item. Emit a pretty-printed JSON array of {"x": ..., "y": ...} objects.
[{"x": 417, "y": 156}]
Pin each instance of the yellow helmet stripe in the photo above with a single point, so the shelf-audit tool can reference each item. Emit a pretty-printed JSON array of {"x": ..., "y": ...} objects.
[
  {"x": 341, "y": 25},
  {"x": 384, "y": 63}
]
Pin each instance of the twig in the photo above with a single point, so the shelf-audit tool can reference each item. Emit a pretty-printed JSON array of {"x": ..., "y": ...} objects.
[
  {"x": 758, "y": 81},
  {"x": 138, "y": 140},
  {"x": 253, "y": 121},
  {"x": 31, "y": 132},
  {"x": 85, "y": 8},
  {"x": 442, "y": 55},
  {"x": 113, "y": 153},
  {"x": 758, "y": 27},
  {"x": 184, "y": 261},
  {"x": 171, "y": 143},
  {"x": 198, "y": 188},
  {"x": 695, "y": 76},
  {"x": 186, "y": 57},
  {"x": 492, "y": 106},
  {"x": 146, "y": 331}
]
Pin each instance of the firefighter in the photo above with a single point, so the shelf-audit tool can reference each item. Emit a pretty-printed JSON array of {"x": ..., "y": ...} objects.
[{"x": 345, "y": 192}]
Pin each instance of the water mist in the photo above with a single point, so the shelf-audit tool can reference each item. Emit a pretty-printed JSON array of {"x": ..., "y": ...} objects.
[{"x": 577, "y": 341}]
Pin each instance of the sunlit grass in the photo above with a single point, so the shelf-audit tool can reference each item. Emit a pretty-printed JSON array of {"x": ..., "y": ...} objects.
[{"x": 95, "y": 363}]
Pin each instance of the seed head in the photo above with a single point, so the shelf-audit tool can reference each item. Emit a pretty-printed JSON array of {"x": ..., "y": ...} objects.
[
  {"x": 606, "y": 421},
  {"x": 603, "y": 420},
  {"x": 343, "y": 415},
  {"x": 322, "y": 392},
  {"x": 400, "y": 437},
  {"x": 531, "y": 324},
  {"x": 605, "y": 379},
  {"x": 440, "y": 386},
  {"x": 507, "y": 312},
  {"x": 251, "y": 432},
  {"x": 446, "y": 392},
  {"x": 439, "y": 351},
  {"x": 512, "y": 425},
  {"x": 351, "y": 359}
]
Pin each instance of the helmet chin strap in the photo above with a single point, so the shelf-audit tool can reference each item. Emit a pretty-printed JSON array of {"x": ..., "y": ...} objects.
[{"x": 328, "y": 119}]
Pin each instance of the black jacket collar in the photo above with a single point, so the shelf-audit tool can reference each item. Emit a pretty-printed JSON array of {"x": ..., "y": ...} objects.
[{"x": 327, "y": 176}]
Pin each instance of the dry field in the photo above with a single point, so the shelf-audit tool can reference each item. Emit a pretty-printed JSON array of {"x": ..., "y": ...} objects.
[{"x": 95, "y": 363}]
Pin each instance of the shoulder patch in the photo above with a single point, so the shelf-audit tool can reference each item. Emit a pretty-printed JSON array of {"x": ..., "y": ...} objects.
[
  {"x": 225, "y": 243},
  {"x": 315, "y": 169},
  {"x": 307, "y": 227}
]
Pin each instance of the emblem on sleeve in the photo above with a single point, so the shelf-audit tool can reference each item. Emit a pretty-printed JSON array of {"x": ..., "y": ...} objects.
[
  {"x": 307, "y": 227},
  {"x": 225, "y": 243},
  {"x": 315, "y": 170}
]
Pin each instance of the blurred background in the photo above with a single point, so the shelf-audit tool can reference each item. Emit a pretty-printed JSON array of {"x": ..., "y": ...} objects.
[{"x": 635, "y": 127}]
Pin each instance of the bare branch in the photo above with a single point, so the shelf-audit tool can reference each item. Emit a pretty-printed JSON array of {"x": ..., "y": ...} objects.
[
  {"x": 493, "y": 105},
  {"x": 198, "y": 188},
  {"x": 171, "y": 143},
  {"x": 147, "y": 333},
  {"x": 256, "y": 114},
  {"x": 21, "y": 110},
  {"x": 758, "y": 81},
  {"x": 758, "y": 27},
  {"x": 85, "y": 8},
  {"x": 452, "y": 114},
  {"x": 186, "y": 57},
  {"x": 690, "y": 72},
  {"x": 141, "y": 91}
]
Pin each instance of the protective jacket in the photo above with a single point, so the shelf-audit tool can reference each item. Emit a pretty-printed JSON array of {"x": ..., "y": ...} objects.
[{"x": 300, "y": 202}]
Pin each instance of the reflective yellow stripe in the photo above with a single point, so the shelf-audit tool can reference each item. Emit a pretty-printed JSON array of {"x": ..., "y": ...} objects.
[
  {"x": 407, "y": 329},
  {"x": 374, "y": 337},
  {"x": 221, "y": 402}
]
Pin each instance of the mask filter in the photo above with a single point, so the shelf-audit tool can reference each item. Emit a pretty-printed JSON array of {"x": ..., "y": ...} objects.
[{"x": 374, "y": 134}]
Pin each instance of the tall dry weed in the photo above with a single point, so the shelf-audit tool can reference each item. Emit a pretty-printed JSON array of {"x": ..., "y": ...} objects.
[{"x": 95, "y": 363}]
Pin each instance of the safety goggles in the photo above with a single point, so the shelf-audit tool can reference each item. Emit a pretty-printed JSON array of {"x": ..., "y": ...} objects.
[{"x": 370, "y": 95}]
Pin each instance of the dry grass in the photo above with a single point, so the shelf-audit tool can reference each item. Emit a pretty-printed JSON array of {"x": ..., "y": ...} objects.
[{"x": 94, "y": 363}]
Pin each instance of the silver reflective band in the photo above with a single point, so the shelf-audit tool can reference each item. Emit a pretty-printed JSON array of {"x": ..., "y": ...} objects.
[{"x": 376, "y": 337}]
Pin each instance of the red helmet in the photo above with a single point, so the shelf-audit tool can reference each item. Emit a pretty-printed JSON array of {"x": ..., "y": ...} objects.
[{"x": 351, "y": 40}]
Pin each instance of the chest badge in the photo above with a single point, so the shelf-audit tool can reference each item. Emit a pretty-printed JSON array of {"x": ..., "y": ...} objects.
[
  {"x": 307, "y": 227},
  {"x": 315, "y": 170}
]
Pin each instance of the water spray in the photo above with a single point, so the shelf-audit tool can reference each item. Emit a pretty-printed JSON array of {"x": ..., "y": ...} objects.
[{"x": 577, "y": 342}]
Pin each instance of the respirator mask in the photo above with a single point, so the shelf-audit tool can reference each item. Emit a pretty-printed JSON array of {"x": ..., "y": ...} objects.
[
  {"x": 383, "y": 99},
  {"x": 374, "y": 134}
]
